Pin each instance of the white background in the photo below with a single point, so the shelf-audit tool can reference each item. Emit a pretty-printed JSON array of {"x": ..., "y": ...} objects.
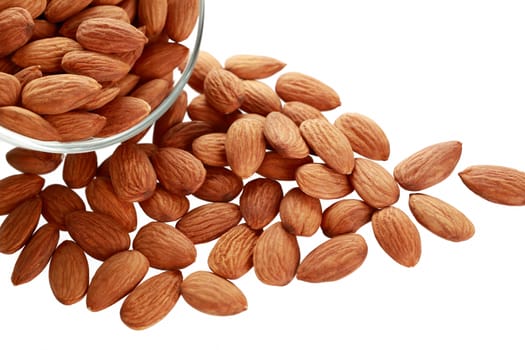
[{"x": 426, "y": 72}]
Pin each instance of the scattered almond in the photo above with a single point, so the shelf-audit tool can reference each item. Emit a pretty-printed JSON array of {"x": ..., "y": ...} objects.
[
  {"x": 15, "y": 189},
  {"x": 374, "y": 184},
  {"x": 284, "y": 136},
  {"x": 319, "y": 181},
  {"x": 57, "y": 202},
  {"x": 220, "y": 185},
  {"x": 251, "y": 67},
  {"x": 164, "y": 206},
  {"x": 259, "y": 202},
  {"x": 33, "y": 162},
  {"x": 300, "y": 87},
  {"x": 345, "y": 216},
  {"x": 79, "y": 169},
  {"x": 19, "y": 225},
  {"x": 300, "y": 213},
  {"x": 224, "y": 91}
]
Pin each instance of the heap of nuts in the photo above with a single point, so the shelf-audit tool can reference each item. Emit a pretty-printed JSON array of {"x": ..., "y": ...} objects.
[{"x": 235, "y": 145}]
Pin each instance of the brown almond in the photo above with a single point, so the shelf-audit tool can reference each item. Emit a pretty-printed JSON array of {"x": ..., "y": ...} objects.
[
  {"x": 209, "y": 221},
  {"x": 173, "y": 116},
  {"x": 345, "y": 216},
  {"x": 429, "y": 166},
  {"x": 77, "y": 125},
  {"x": 70, "y": 26},
  {"x": 132, "y": 174},
  {"x": 60, "y": 10},
  {"x": 69, "y": 273},
  {"x": 164, "y": 206},
  {"x": 259, "y": 202},
  {"x": 99, "y": 66},
  {"x": 36, "y": 254},
  {"x": 57, "y": 202},
  {"x": 259, "y": 98},
  {"x": 329, "y": 143},
  {"x": 365, "y": 135},
  {"x": 130, "y": 6},
  {"x": 497, "y": 184},
  {"x": 15, "y": 189},
  {"x": 44, "y": 29},
  {"x": 10, "y": 88},
  {"x": 374, "y": 184},
  {"x": 127, "y": 84},
  {"x": 284, "y": 136},
  {"x": 115, "y": 278},
  {"x": 440, "y": 218},
  {"x": 99, "y": 235},
  {"x": 27, "y": 123},
  {"x": 203, "y": 65},
  {"x": 224, "y": 91},
  {"x": 253, "y": 66},
  {"x": 19, "y": 225},
  {"x": 182, "y": 18},
  {"x": 276, "y": 256},
  {"x": 334, "y": 259},
  {"x": 153, "y": 92},
  {"x": 300, "y": 87},
  {"x": 25, "y": 75},
  {"x": 210, "y": 149},
  {"x": 102, "y": 199},
  {"x": 166, "y": 247},
  {"x": 178, "y": 171},
  {"x": 152, "y": 14},
  {"x": 16, "y": 28},
  {"x": 220, "y": 185},
  {"x": 276, "y": 167},
  {"x": 200, "y": 110},
  {"x": 102, "y": 98},
  {"x": 151, "y": 300},
  {"x": 183, "y": 134},
  {"x": 245, "y": 146},
  {"x": 122, "y": 113},
  {"x": 397, "y": 235},
  {"x": 212, "y": 294},
  {"x": 298, "y": 112},
  {"x": 159, "y": 59},
  {"x": 34, "y": 7},
  {"x": 319, "y": 181},
  {"x": 300, "y": 213},
  {"x": 79, "y": 169},
  {"x": 33, "y": 162}
]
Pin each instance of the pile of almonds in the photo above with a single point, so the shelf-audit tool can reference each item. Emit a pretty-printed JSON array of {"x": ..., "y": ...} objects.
[{"x": 234, "y": 147}]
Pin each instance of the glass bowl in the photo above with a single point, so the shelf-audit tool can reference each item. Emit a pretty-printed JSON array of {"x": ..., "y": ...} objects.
[{"x": 92, "y": 144}]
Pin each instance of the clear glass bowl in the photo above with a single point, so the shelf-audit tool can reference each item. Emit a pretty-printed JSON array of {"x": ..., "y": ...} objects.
[{"x": 92, "y": 144}]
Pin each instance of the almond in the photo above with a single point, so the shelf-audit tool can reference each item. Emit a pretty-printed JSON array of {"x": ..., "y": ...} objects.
[
  {"x": 200, "y": 110},
  {"x": 298, "y": 112},
  {"x": 127, "y": 84},
  {"x": 259, "y": 202},
  {"x": 212, "y": 294},
  {"x": 300, "y": 87},
  {"x": 203, "y": 65},
  {"x": 79, "y": 169},
  {"x": 159, "y": 59},
  {"x": 69, "y": 273},
  {"x": 231, "y": 256},
  {"x": 27, "y": 123},
  {"x": 183, "y": 134},
  {"x": 153, "y": 92},
  {"x": 102, "y": 199},
  {"x": 130, "y": 6},
  {"x": 374, "y": 184},
  {"x": 151, "y": 300},
  {"x": 152, "y": 14},
  {"x": 59, "y": 10},
  {"x": 9, "y": 89},
  {"x": 107, "y": 35},
  {"x": 57, "y": 202},
  {"x": 33, "y": 162},
  {"x": 44, "y": 29},
  {"x": 132, "y": 174},
  {"x": 70, "y": 26},
  {"x": 16, "y": 28},
  {"x": 181, "y": 19},
  {"x": 122, "y": 113},
  {"x": 209, "y": 221},
  {"x": 345, "y": 216},
  {"x": 245, "y": 146},
  {"x": 164, "y": 206},
  {"x": 35, "y": 255},
  {"x": 178, "y": 171},
  {"x": 34, "y": 7},
  {"x": 224, "y": 91},
  {"x": 275, "y": 166},
  {"x": 115, "y": 278},
  {"x": 220, "y": 185},
  {"x": 25, "y": 75},
  {"x": 173, "y": 116},
  {"x": 46, "y": 53},
  {"x": 15, "y": 189},
  {"x": 7, "y": 66},
  {"x": 300, "y": 213},
  {"x": 102, "y": 98},
  {"x": 210, "y": 149},
  {"x": 329, "y": 143},
  {"x": 276, "y": 256},
  {"x": 99, "y": 66},
  {"x": 365, "y": 135},
  {"x": 259, "y": 98},
  {"x": 441, "y": 218},
  {"x": 19, "y": 225},
  {"x": 397, "y": 235},
  {"x": 429, "y": 166},
  {"x": 99, "y": 235},
  {"x": 165, "y": 247},
  {"x": 77, "y": 125},
  {"x": 253, "y": 66},
  {"x": 284, "y": 136},
  {"x": 319, "y": 181}
]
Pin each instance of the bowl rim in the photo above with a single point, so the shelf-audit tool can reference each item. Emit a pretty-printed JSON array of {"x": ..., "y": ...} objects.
[{"x": 93, "y": 144}]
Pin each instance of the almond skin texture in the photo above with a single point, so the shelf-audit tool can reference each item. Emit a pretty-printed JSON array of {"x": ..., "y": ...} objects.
[
  {"x": 16, "y": 28},
  {"x": 220, "y": 185},
  {"x": 9, "y": 89},
  {"x": 59, "y": 10},
  {"x": 159, "y": 59},
  {"x": 152, "y": 14},
  {"x": 57, "y": 202},
  {"x": 99, "y": 235},
  {"x": 122, "y": 113},
  {"x": 204, "y": 64},
  {"x": 252, "y": 67},
  {"x": 27, "y": 123},
  {"x": 276, "y": 256},
  {"x": 334, "y": 259},
  {"x": 224, "y": 91},
  {"x": 173, "y": 116},
  {"x": 35, "y": 255},
  {"x": 212, "y": 294},
  {"x": 319, "y": 181},
  {"x": 276, "y": 167},
  {"x": 397, "y": 235},
  {"x": 345, "y": 216},
  {"x": 300, "y": 87},
  {"x": 298, "y": 112},
  {"x": 99, "y": 66},
  {"x": 102, "y": 98},
  {"x": 164, "y": 206},
  {"x": 181, "y": 19},
  {"x": 33, "y": 162},
  {"x": 259, "y": 202},
  {"x": 151, "y": 300},
  {"x": 259, "y": 98},
  {"x": 70, "y": 26},
  {"x": 300, "y": 214},
  {"x": 209, "y": 221},
  {"x": 441, "y": 218},
  {"x": 165, "y": 247},
  {"x": 200, "y": 110},
  {"x": 497, "y": 184},
  {"x": 284, "y": 136},
  {"x": 15, "y": 189},
  {"x": 231, "y": 256},
  {"x": 374, "y": 184},
  {"x": 34, "y": 7},
  {"x": 77, "y": 125},
  {"x": 365, "y": 135},
  {"x": 19, "y": 225},
  {"x": 183, "y": 134},
  {"x": 153, "y": 92},
  {"x": 69, "y": 273},
  {"x": 25, "y": 75},
  {"x": 115, "y": 278},
  {"x": 44, "y": 29},
  {"x": 210, "y": 149},
  {"x": 79, "y": 169},
  {"x": 245, "y": 146},
  {"x": 429, "y": 166}
]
